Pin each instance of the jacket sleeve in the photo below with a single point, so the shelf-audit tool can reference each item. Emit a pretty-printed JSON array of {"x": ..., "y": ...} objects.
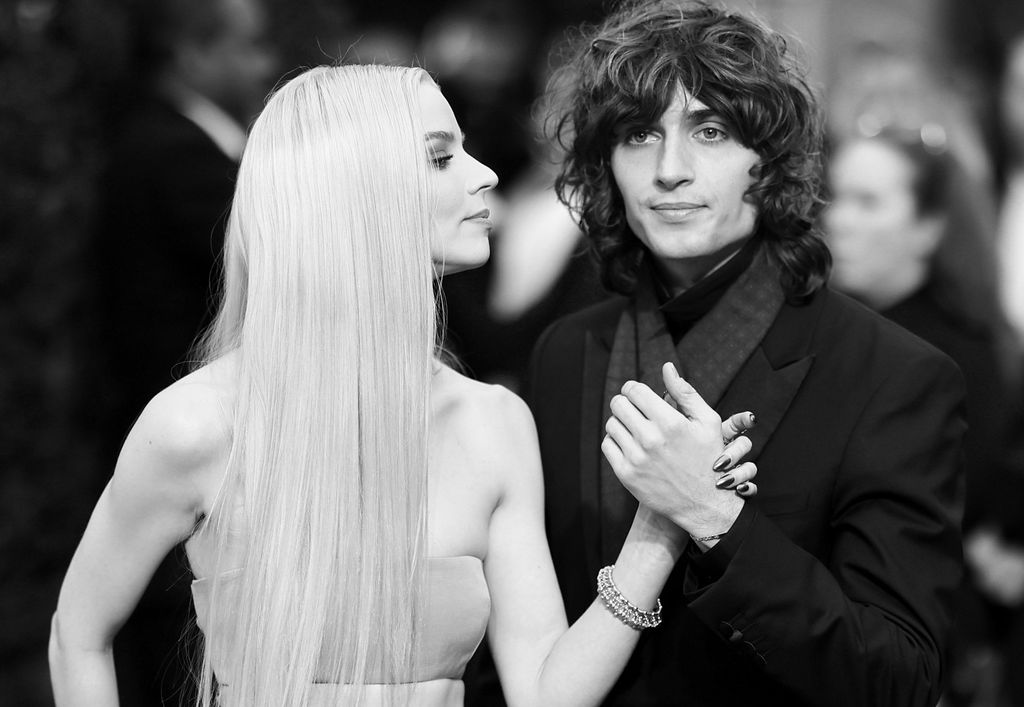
[{"x": 867, "y": 625}]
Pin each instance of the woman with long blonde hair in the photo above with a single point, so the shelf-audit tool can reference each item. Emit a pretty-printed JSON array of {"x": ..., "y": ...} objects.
[{"x": 355, "y": 512}]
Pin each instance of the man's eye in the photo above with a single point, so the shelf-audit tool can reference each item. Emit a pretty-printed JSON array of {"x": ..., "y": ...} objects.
[
  {"x": 639, "y": 137},
  {"x": 711, "y": 134}
]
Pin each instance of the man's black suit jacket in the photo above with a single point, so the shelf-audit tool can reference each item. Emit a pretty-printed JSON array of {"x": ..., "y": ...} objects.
[{"x": 834, "y": 587}]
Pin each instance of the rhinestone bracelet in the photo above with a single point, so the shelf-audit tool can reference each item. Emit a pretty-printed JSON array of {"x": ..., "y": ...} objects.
[{"x": 621, "y": 608}]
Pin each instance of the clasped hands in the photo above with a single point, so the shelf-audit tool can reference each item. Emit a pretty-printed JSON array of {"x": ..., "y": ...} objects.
[{"x": 667, "y": 455}]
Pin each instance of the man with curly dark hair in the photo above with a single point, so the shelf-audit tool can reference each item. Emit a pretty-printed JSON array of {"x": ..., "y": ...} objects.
[{"x": 692, "y": 160}]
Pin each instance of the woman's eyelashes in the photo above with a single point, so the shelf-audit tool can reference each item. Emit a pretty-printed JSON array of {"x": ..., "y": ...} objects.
[
  {"x": 442, "y": 146},
  {"x": 441, "y": 161},
  {"x": 440, "y": 153}
]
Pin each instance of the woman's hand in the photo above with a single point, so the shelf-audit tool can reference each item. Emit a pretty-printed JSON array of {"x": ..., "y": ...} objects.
[
  {"x": 663, "y": 455},
  {"x": 737, "y": 446}
]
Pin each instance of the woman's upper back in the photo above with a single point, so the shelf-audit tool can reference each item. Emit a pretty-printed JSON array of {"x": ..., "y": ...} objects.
[
  {"x": 474, "y": 433},
  {"x": 472, "y": 429}
]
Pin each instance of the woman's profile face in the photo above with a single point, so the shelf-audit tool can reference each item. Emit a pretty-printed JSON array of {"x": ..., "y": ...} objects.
[
  {"x": 875, "y": 231},
  {"x": 462, "y": 218}
]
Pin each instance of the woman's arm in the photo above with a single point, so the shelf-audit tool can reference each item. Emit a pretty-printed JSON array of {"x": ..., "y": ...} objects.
[
  {"x": 151, "y": 503},
  {"x": 539, "y": 659}
]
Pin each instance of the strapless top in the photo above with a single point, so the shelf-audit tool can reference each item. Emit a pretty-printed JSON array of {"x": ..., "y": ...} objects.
[{"x": 456, "y": 609}]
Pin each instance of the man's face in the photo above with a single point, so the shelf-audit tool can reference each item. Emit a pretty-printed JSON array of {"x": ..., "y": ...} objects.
[{"x": 683, "y": 181}]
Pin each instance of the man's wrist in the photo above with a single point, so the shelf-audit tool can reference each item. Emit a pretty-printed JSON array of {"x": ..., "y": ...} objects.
[
  {"x": 713, "y": 521},
  {"x": 706, "y": 542},
  {"x": 709, "y": 563}
]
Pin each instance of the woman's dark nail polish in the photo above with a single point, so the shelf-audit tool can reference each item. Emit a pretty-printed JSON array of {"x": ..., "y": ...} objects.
[
  {"x": 721, "y": 464},
  {"x": 725, "y": 481},
  {"x": 742, "y": 488},
  {"x": 753, "y": 419}
]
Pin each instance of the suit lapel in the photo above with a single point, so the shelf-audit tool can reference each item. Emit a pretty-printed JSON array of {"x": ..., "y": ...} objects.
[
  {"x": 766, "y": 392},
  {"x": 771, "y": 377}
]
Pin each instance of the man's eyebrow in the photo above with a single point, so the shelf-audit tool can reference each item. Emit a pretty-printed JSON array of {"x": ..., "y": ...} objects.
[
  {"x": 443, "y": 135},
  {"x": 699, "y": 115}
]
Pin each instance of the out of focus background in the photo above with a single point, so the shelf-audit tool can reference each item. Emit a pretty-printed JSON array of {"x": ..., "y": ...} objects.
[{"x": 121, "y": 123}]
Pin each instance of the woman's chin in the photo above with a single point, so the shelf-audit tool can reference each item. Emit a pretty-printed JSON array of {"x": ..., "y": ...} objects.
[{"x": 453, "y": 265}]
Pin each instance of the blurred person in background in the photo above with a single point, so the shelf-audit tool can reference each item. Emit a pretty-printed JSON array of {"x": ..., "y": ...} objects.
[
  {"x": 1011, "y": 220},
  {"x": 178, "y": 135},
  {"x": 167, "y": 187},
  {"x": 911, "y": 237},
  {"x": 998, "y": 555},
  {"x": 879, "y": 85}
]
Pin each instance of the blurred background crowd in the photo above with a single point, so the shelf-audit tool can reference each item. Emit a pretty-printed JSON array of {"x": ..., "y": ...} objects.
[{"x": 121, "y": 123}]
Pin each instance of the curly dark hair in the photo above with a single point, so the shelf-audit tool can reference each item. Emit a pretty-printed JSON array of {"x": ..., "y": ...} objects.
[{"x": 626, "y": 70}]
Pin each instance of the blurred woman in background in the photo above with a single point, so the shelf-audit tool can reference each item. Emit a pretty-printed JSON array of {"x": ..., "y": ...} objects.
[{"x": 911, "y": 236}]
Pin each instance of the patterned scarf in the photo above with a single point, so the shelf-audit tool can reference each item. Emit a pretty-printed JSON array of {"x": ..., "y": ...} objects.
[{"x": 709, "y": 356}]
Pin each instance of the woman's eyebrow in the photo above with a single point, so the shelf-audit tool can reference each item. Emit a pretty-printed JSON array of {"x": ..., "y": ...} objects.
[{"x": 442, "y": 135}]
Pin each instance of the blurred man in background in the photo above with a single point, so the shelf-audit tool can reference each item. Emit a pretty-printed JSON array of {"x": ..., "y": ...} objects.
[{"x": 163, "y": 202}]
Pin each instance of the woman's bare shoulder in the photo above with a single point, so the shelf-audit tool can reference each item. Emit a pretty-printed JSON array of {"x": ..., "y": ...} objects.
[
  {"x": 179, "y": 445},
  {"x": 493, "y": 416},
  {"x": 189, "y": 420},
  {"x": 454, "y": 390}
]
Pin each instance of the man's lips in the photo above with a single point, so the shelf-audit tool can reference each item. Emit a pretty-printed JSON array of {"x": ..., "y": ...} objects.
[
  {"x": 675, "y": 211},
  {"x": 675, "y": 206}
]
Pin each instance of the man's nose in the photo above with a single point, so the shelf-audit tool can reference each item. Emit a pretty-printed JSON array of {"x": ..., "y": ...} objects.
[{"x": 675, "y": 165}]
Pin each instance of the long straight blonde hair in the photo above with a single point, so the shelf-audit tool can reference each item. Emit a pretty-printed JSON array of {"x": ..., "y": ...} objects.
[{"x": 328, "y": 307}]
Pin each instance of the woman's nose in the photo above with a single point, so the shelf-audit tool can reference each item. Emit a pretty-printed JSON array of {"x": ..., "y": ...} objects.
[{"x": 483, "y": 178}]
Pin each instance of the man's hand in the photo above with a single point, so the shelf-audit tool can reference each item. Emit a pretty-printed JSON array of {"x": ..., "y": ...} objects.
[{"x": 665, "y": 456}]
